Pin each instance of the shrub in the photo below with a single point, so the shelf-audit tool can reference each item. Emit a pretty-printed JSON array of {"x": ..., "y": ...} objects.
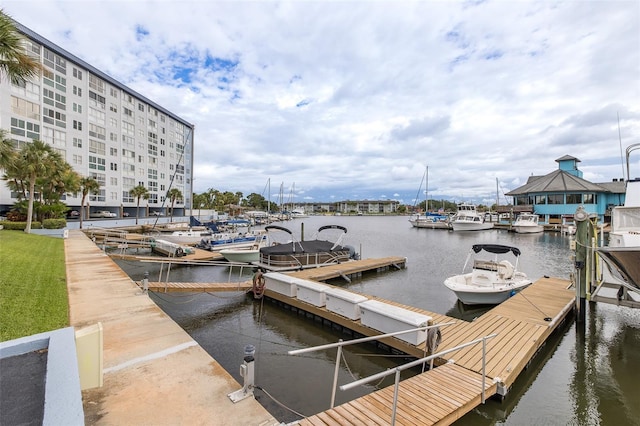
[
  {"x": 53, "y": 223},
  {"x": 19, "y": 226}
]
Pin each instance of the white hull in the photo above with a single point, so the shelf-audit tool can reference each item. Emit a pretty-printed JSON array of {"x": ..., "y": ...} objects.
[
  {"x": 247, "y": 255},
  {"x": 471, "y": 226},
  {"x": 429, "y": 224},
  {"x": 184, "y": 239},
  {"x": 493, "y": 294},
  {"x": 528, "y": 229},
  {"x": 527, "y": 223},
  {"x": 468, "y": 219}
]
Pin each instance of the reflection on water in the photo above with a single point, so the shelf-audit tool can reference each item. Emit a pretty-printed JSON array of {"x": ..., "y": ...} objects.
[{"x": 581, "y": 376}]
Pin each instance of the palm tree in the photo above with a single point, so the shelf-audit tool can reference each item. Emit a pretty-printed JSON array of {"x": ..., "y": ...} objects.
[
  {"x": 37, "y": 157},
  {"x": 88, "y": 185},
  {"x": 15, "y": 63},
  {"x": 139, "y": 192},
  {"x": 174, "y": 194},
  {"x": 7, "y": 151}
]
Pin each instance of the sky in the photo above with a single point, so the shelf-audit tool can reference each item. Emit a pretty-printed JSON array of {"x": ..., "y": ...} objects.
[{"x": 320, "y": 101}]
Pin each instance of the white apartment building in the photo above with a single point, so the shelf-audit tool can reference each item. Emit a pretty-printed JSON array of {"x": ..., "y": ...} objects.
[{"x": 102, "y": 128}]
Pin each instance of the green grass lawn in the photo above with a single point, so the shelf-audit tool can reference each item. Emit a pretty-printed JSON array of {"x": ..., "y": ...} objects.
[{"x": 33, "y": 289}]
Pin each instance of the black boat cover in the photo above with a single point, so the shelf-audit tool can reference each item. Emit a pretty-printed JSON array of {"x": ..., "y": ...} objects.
[
  {"x": 312, "y": 246},
  {"x": 496, "y": 249}
]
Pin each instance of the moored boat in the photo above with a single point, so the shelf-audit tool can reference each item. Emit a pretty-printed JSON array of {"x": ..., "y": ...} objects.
[
  {"x": 431, "y": 221},
  {"x": 468, "y": 219},
  {"x": 312, "y": 253},
  {"x": 527, "y": 223},
  {"x": 490, "y": 281}
]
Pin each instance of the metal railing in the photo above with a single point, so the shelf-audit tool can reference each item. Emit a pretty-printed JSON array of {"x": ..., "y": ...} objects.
[
  {"x": 403, "y": 367},
  {"x": 342, "y": 343}
]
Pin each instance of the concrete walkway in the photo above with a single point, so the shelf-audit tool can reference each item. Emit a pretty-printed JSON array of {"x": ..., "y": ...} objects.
[{"x": 154, "y": 372}]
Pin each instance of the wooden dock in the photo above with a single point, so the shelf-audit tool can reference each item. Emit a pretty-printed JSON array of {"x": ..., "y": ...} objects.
[
  {"x": 440, "y": 396},
  {"x": 446, "y": 393},
  {"x": 348, "y": 270},
  {"x": 198, "y": 255}
]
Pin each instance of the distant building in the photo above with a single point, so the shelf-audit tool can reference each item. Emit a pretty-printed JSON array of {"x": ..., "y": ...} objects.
[
  {"x": 102, "y": 129},
  {"x": 350, "y": 207},
  {"x": 557, "y": 195}
]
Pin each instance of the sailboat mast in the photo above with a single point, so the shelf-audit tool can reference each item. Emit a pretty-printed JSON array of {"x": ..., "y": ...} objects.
[{"x": 426, "y": 192}]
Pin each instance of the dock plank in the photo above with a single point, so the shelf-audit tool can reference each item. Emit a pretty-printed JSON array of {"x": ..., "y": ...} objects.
[{"x": 171, "y": 287}]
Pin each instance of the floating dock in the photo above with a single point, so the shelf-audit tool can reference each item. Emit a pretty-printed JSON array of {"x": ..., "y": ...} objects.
[{"x": 444, "y": 394}]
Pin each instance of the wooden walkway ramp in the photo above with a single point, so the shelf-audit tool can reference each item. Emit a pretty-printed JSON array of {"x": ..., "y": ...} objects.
[{"x": 171, "y": 287}]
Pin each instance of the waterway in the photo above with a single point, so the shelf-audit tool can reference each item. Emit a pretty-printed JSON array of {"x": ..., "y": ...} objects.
[{"x": 586, "y": 374}]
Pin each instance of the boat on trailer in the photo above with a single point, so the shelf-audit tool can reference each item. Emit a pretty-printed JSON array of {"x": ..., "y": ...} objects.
[
  {"x": 490, "y": 281},
  {"x": 313, "y": 253}
]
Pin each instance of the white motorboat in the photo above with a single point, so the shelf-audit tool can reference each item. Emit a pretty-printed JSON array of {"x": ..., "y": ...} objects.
[
  {"x": 490, "y": 281},
  {"x": 621, "y": 266},
  {"x": 528, "y": 223},
  {"x": 298, "y": 213},
  {"x": 242, "y": 254},
  {"x": 224, "y": 240},
  {"x": 468, "y": 219},
  {"x": 431, "y": 221},
  {"x": 188, "y": 237}
]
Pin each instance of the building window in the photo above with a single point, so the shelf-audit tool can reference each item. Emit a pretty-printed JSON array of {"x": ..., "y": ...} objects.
[
  {"x": 77, "y": 91},
  {"x": 97, "y": 147},
  {"x": 140, "y": 107},
  {"x": 127, "y": 197},
  {"x": 96, "y": 163},
  {"x": 541, "y": 199},
  {"x": 77, "y": 125},
  {"x": 574, "y": 198},
  {"x": 77, "y": 159},
  {"x": 590, "y": 199},
  {"x": 77, "y": 142},
  {"x": 77, "y": 73},
  {"x": 25, "y": 108},
  {"x": 113, "y": 181},
  {"x": 97, "y": 131},
  {"x": 25, "y": 128},
  {"x": 555, "y": 198},
  {"x": 96, "y": 84},
  {"x": 114, "y": 167}
]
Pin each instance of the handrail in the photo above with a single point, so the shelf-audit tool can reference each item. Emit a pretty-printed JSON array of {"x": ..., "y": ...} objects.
[
  {"x": 403, "y": 367},
  {"x": 342, "y": 343}
]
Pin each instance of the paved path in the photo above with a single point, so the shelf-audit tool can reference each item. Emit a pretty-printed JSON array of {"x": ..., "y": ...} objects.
[{"x": 154, "y": 372}]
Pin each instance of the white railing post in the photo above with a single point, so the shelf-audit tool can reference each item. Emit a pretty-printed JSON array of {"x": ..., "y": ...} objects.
[
  {"x": 484, "y": 353},
  {"x": 396, "y": 391},
  {"x": 335, "y": 374}
]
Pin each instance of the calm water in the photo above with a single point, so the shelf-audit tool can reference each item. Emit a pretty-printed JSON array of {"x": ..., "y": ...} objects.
[{"x": 585, "y": 375}]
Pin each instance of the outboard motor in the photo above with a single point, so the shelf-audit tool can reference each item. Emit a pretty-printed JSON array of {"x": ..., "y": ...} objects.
[{"x": 353, "y": 255}]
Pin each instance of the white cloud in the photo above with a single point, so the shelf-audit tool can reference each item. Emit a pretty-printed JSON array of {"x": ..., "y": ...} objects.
[{"x": 353, "y": 99}]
